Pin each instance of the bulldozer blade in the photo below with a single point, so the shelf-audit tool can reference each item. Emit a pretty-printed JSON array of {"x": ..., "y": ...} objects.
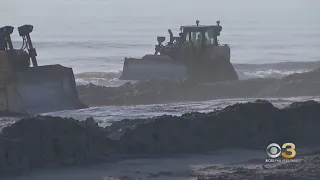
[
  {"x": 153, "y": 66},
  {"x": 41, "y": 89}
]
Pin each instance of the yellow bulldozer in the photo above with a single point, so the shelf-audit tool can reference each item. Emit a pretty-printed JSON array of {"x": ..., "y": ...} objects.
[
  {"x": 26, "y": 89},
  {"x": 195, "y": 54}
]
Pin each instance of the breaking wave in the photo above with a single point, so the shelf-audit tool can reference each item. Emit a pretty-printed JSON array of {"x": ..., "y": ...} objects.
[
  {"x": 274, "y": 70},
  {"x": 105, "y": 75},
  {"x": 110, "y": 79},
  {"x": 268, "y": 73}
]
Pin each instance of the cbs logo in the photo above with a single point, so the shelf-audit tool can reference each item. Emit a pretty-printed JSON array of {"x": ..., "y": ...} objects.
[{"x": 287, "y": 151}]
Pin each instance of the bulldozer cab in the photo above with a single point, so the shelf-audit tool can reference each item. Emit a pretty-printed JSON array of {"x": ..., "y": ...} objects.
[{"x": 201, "y": 37}]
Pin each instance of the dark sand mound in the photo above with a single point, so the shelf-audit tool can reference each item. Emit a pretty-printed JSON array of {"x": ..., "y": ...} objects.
[
  {"x": 44, "y": 141},
  {"x": 250, "y": 125},
  {"x": 149, "y": 92},
  {"x": 48, "y": 141}
]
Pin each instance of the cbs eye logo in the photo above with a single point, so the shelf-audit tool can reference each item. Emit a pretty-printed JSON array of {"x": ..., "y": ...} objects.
[{"x": 287, "y": 151}]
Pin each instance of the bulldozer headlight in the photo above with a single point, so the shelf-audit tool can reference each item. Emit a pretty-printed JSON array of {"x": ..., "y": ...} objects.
[
  {"x": 7, "y": 29},
  {"x": 161, "y": 39},
  {"x": 24, "y": 30}
]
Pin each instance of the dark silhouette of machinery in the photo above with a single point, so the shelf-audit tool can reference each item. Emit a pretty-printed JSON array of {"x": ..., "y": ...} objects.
[{"x": 32, "y": 89}]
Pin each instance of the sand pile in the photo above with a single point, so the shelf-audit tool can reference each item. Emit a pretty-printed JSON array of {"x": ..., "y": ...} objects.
[
  {"x": 38, "y": 142},
  {"x": 250, "y": 125}
]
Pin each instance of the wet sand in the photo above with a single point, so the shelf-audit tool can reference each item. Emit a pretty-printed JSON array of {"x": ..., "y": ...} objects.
[{"x": 223, "y": 164}]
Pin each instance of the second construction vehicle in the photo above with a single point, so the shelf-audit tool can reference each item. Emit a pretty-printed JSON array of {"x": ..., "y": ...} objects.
[
  {"x": 195, "y": 54},
  {"x": 26, "y": 89}
]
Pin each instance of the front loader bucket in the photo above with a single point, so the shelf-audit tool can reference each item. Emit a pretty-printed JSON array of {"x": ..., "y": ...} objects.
[
  {"x": 42, "y": 89},
  {"x": 153, "y": 66}
]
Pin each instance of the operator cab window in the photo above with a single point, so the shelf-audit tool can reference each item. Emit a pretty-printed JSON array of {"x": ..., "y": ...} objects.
[
  {"x": 196, "y": 39},
  {"x": 187, "y": 37},
  {"x": 209, "y": 37}
]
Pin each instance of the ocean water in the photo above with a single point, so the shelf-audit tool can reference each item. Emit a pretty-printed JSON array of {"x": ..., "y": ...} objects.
[{"x": 270, "y": 38}]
